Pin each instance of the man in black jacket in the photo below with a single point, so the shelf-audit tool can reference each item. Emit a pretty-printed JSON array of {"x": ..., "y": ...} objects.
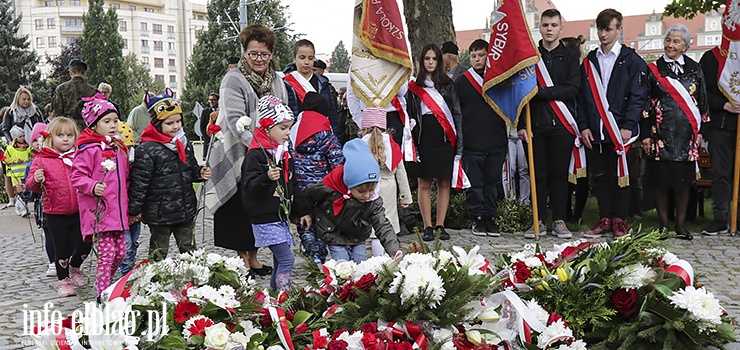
[
  {"x": 720, "y": 133},
  {"x": 607, "y": 128},
  {"x": 205, "y": 118},
  {"x": 552, "y": 141}
]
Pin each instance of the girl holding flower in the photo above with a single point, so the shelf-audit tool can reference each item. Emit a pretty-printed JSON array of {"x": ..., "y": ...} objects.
[{"x": 100, "y": 175}]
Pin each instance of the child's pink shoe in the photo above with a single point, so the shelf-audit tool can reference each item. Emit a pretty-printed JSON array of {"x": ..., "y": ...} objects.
[
  {"x": 75, "y": 275},
  {"x": 65, "y": 288}
]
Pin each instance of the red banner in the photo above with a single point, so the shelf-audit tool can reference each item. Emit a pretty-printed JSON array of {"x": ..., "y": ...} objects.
[{"x": 382, "y": 31}]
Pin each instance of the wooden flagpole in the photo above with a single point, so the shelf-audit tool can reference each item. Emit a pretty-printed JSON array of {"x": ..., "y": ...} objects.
[
  {"x": 735, "y": 182},
  {"x": 532, "y": 183}
]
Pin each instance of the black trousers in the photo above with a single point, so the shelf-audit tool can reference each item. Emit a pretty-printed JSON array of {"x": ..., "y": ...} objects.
[
  {"x": 69, "y": 248},
  {"x": 484, "y": 172},
  {"x": 613, "y": 200},
  {"x": 552, "y": 146},
  {"x": 393, "y": 120},
  {"x": 722, "y": 154}
]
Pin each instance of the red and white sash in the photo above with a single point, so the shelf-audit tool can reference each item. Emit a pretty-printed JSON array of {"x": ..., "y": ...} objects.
[
  {"x": 577, "y": 166},
  {"x": 682, "y": 97},
  {"x": 610, "y": 124},
  {"x": 475, "y": 80},
  {"x": 407, "y": 147},
  {"x": 436, "y": 103},
  {"x": 391, "y": 150},
  {"x": 300, "y": 85}
]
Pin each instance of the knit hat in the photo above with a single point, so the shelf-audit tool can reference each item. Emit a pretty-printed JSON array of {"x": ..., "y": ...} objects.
[
  {"x": 317, "y": 103},
  {"x": 127, "y": 133},
  {"x": 374, "y": 116},
  {"x": 449, "y": 47},
  {"x": 16, "y": 132},
  {"x": 272, "y": 111},
  {"x": 162, "y": 106},
  {"x": 37, "y": 129},
  {"x": 360, "y": 166},
  {"x": 95, "y": 108}
]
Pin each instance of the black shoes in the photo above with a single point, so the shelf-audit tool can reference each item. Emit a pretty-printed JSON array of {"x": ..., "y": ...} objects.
[
  {"x": 443, "y": 235},
  {"x": 262, "y": 271},
  {"x": 491, "y": 228},
  {"x": 479, "y": 228},
  {"x": 715, "y": 228},
  {"x": 428, "y": 235}
]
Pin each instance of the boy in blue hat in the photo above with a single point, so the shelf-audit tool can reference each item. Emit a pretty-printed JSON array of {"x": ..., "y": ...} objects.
[{"x": 348, "y": 207}]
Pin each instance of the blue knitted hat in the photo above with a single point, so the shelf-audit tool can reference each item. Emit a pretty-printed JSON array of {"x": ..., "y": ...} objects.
[{"x": 360, "y": 166}]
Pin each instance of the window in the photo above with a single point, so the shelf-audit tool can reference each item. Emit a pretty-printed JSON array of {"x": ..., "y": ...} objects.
[
  {"x": 39, "y": 24},
  {"x": 73, "y": 22},
  {"x": 52, "y": 41},
  {"x": 145, "y": 43},
  {"x": 39, "y": 42},
  {"x": 51, "y": 23},
  {"x": 171, "y": 29},
  {"x": 125, "y": 44},
  {"x": 122, "y": 27},
  {"x": 173, "y": 79},
  {"x": 157, "y": 28},
  {"x": 200, "y": 17},
  {"x": 158, "y": 46},
  {"x": 159, "y": 63},
  {"x": 70, "y": 40},
  {"x": 49, "y": 3},
  {"x": 713, "y": 25},
  {"x": 74, "y": 2},
  {"x": 131, "y": 8},
  {"x": 145, "y": 60},
  {"x": 653, "y": 30},
  {"x": 60, "y": 2},
  {"x": 172, "y": 62},
  {"x": 143, "y": 27},
  {"x": 146, "y": 9},
  {"x": 170, "y": 46},
  {"x": 116, "y": 6},
  {"x": 159, "y": 77}
]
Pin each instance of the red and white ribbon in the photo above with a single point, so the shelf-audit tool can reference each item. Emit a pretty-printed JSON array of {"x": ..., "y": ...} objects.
[
  {"x": 300, "y": 85},
  {"x": 281, "y": 325},
  {"x": 460, "y": 180},
  {"x": 684, "y": 270},
  {"x": 407, "y": 147}
]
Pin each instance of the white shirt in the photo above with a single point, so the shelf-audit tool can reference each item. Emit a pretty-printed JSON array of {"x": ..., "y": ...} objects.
[
  {"x": 680, "y": 61},
  {"x": 607, "y": 61},
  {"x": 356, "y": 106}
]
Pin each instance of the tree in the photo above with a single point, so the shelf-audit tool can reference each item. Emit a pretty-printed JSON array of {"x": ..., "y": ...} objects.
[
  {"x": 464, "y": 58},
  {"x": 17, "y": 60},
  {"x": 139, "y": 82},
  {"x": 102, "y": 48},
  {"x": 689, "y": 8},
  {"x": 221, "y": 40},
  {"x": 425, "y": 29},
  {"x": 339, "y": 59}
]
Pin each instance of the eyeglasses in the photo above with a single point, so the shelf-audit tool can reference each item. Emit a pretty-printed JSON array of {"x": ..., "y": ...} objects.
[{"x": 263, "y": 55}]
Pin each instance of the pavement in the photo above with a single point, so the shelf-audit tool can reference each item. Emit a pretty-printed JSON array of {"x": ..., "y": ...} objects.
[{"x": 25, "y": 287}]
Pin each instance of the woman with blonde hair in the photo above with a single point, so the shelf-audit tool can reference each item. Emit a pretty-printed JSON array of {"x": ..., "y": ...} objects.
[{"x": 22, "y": 113}]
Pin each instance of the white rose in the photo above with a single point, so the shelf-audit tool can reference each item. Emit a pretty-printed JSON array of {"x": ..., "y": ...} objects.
[
  {"x": 213, "y": 259},
  {"x": 240, "y": 338},
  {"x": 217, "y": 336},
  {"x": 276, "y": 347},
  {"x": 344, "y": 269}
]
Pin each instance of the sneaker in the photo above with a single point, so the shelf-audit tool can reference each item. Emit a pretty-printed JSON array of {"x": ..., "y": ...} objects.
[
  {"x": 491, "y": 228},
  {"x": 443, "y": 235},
  {"x": 602, "y": 227},
  {"x": 620, "y": 227},
  {"x": 52, "y": 270},
  {"x": 478, "y": 227},
  {"x": 560, "y": 230},
  {"x": 75, "y": 276},
  {"x": 65, "y": 288},
  {"x": 715, "y": 228},
  {"x": 428, "y": 235},
  {"x": 529, "y": 234}
]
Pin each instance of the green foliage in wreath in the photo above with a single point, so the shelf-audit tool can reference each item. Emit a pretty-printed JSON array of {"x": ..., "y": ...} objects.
[{"x": 513, "y": 216}]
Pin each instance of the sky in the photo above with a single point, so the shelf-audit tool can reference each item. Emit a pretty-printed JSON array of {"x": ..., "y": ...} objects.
[{"x": 326, "y": 25}]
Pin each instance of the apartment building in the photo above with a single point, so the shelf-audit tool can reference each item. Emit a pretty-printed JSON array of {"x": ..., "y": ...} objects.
[{"x": 161, "y": 33}]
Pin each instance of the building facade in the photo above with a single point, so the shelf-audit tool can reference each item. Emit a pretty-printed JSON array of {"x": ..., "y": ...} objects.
[{"x": 161, "y": 33}]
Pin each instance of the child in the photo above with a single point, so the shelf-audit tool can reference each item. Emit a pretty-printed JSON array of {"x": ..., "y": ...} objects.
[
  {"x": 161, "y": 193},
  {"x": 388, "y": 155},
  {"x": 102, "y": 188},
  {"x": 348, "y": 207},
  {"x": 17, "y": 156},
  {"x": 52, "y": 170},
  {"x": 317, "y": 152},
  {"x": 260, "y": 179},
  {"x": 134, "y": 231}
]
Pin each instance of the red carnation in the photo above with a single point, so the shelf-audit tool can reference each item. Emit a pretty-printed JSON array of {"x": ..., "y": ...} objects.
[
  {"x": 555, "y": 318},
  {"x": 109, "y": 154},
  {"x": 370, "y": 327},
  {"x": 337, "y": 345},
  {"x": 185, "y": 310},
  {"x": 348, "y": 292},
  {"x": 625, "y": 301},
  {"x": 283, "y": 297},
  {"x": 266, "y": 123},
  {"x": 319, "y": 343},
  {"x": 301, "y": 328},
  {"x": 45, "y": 134},
  {"x": 213, "y": 129},
  {"x": 259, "y": 297},
  {"x": 199, "y": 327},
  {"x": 2, "y": 157},
  {"x": 338, "y": 333},
  {"x": 366, "y": 282},
  {"x": 265, "y": 318},
  {"x": 461, "y": 342}
]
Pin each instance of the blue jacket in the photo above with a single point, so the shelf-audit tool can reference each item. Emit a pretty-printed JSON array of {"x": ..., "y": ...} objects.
[
  {"x": 315, "y": 157},
  {"x": 627, "y": 94},
  {"x": 323, "y": 89}
]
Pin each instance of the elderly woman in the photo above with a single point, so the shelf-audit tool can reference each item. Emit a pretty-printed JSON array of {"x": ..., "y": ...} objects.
[
  {"x": 671, "y": 127},
  {"x": 240, "y": 90}
]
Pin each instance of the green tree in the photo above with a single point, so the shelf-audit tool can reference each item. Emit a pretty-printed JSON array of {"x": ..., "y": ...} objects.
[
  {"x": 689, "y": 8},
  {"x": 17, "y": 60},
  {"x": 58, "y": 72},
  {"x": 207, "y": 66},
  {"x": 464, "y": 58},
  {"x": 101, "y": 48},
  {"x": 139, "y": 82},
  {"x": 339, "y": 59}
]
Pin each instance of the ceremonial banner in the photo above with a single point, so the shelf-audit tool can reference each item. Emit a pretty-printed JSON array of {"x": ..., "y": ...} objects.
[
  {"x": 381, "y": 63},
  {"x": 510, "y": 81},
  {"x": 727, "y": 53}
]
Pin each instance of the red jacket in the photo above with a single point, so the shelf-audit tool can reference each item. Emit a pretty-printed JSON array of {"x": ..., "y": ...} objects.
[{"x": 59, "y": 197}]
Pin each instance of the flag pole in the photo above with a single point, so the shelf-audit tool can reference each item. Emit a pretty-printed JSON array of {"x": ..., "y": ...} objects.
[
  {"x": 733, "y": 215},
  {"x": 532, "y": 184}
]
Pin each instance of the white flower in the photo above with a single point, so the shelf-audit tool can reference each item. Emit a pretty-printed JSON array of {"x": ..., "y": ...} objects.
[
  {"x": 551, "y": 256},
  {"x": 235, "y": 264},
  {"x": 217, "y": 336},
  {"x": 331, "y": 264},
  {"x": 533, "y": 262},
  {"x": 213, "y": 259},
  {"x": 236, "y": 339},
  {"x": 444, "y": 257},
  {"x": 442, "y": 335},
  {"x": 702, "y": 305},
  {"x": 576, "y": 345},
  {"x": 249, "y": 329},
  {"x": 421, "y": 278},
  {"x": 243, "y": 123},
  {"x": 472, "y": 260},
  {"x": 354, "y": 341},
  {"x": 372, "y": 265},
  {"x": 275, "y": 347},
  {"x": 537, "y": 310},
  {"x": 635, "y": 276},
  {"x": 108, "y": 164},
  {"x": 417, "y": 260},
  {"x": 556, "y": 329},
  {"x": 344, "y": 269},
  {"x": 670, "y": 258}
]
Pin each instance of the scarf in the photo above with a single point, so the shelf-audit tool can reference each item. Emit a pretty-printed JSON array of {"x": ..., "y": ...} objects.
[
  {"x": 89, "y": 136},
  {"x": 280, "y": 153},
  {"x": 308, "y": 123},
  {"x": 261, "y": 84},
  {"x": 66, "y": 157},
  {"x": 335, "y": 181},
  {"x": 20, "y": 114},
  {"x": 151, "y": 133}
]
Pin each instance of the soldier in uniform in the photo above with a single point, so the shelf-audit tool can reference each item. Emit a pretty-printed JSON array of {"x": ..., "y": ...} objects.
[{"x": 68, "y": 94}]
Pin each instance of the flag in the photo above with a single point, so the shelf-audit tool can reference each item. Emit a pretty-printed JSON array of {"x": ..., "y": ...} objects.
[
  {"x": 510, "y": 80},
  {"x": 727, "y": 53},
  {"x": 381, "y": 63}
]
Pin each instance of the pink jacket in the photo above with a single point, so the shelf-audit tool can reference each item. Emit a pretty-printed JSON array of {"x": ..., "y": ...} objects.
[
  {"x": 88, "y": 171},
  {"x": 59, "y": 198}
]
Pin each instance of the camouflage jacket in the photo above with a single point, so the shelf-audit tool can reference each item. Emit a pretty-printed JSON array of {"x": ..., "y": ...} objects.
[{"x": 66, "y": 98}]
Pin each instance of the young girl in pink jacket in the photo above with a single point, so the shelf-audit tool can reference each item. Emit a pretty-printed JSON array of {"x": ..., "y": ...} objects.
[
  {"x": 49, "y": 174},
  {"x": 100, "y": 173}
]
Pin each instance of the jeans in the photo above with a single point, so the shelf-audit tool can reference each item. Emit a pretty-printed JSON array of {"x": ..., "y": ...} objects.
[
  {"x": 516, "y": 162},
  {"x": 356, "y": 253},
  {"x": 283, "y": 259},
  {"x": 132, "y": 245}
]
